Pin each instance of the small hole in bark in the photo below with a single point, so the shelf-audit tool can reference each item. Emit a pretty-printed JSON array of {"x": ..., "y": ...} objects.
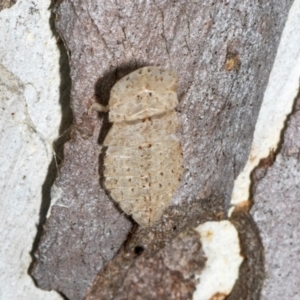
[{"x": 138, "y": 250}]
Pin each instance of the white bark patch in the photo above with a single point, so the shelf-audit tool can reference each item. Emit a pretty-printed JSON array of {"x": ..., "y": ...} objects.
[
  {"x": 221, "y": 246},
  {"x": 29, "y": 122}
]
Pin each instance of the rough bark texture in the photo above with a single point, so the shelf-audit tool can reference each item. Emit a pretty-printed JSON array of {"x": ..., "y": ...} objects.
[
  {"x": 249, "y": 283},
  {"x": 222, "y": 53},
  {"x": 110, "y": 283},
  {"x": 168, "y": 274},
  {"x": 276, "y": 210},
  {"x": 115, "y": 280}
]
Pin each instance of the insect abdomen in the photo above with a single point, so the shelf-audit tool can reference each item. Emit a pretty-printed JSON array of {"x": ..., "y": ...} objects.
[{"x": 143, "y": 175}]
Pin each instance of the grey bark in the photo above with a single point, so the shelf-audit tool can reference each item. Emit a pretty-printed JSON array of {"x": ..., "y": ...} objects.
[
  {"x": 6, "y": 4},
  {"x": 277, "y": 213},
  {"x": 222, "y": 53}
]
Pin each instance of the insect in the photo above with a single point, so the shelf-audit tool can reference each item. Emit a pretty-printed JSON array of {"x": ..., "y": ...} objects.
[{"x": 143, "y": 161}]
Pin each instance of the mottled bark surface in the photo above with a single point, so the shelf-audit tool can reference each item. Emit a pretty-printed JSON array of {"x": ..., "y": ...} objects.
[
  {"x": 222, "y": 53},
  {"x": 248, "y": 286},
  {"x": 168, "y": 274},
  {"x": 110, "y": 283},
  {"x": 277, "y": 213}
]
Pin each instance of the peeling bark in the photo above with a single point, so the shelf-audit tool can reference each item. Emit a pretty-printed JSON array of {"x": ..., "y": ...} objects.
[
  {"x": 110, "y": 282},
  {"x": 222, "y": 53},
  {"x": 276, "y": 210},
  {"x": 248, "y": 286},
  {"x": 168, "y": 274}
]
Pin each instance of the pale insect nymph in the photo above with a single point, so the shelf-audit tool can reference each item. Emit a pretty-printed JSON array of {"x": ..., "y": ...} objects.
[{"x": 143, "y": 161}]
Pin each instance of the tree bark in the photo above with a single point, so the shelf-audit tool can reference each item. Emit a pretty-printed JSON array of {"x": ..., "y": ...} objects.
[
  {"x": 276, "y": 210},
  {"x": 222, "y": 53}
]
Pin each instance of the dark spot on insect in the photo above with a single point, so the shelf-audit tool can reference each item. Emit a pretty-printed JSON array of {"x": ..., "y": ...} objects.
[
  {"x": 150, "y": 145},
  {"x": 140, "y": 72},
  {"x": 150, "y": 94},
  {"x": 128, "y": 169},
  {"x": 140, "y": 147},
  {"x": 138, "y": 250},
  {"x": 132, "y": 189},
  {"x": 161, "y": 173},
  {"x": 127, "y": 78},
  {"x": 174, "y": 228},
  {"x": 144, "y": 120},
  {"x": 160, "y": 185},
  {"x": 129, "y": 179},
  {"x": 172, "y": 171}
]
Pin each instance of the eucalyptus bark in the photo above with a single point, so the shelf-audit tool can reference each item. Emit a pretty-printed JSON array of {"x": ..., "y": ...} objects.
[{"x": 222, "y": 53}]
